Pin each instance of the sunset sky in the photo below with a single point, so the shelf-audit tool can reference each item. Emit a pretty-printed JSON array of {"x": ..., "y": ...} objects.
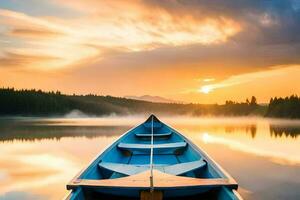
[{"x": 204, "y": 51}]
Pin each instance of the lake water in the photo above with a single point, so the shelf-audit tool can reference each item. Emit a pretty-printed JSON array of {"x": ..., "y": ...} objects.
[{"x": 38, "y": 156}]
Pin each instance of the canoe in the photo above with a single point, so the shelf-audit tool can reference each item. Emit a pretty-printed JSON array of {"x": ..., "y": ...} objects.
[{"x": 153, "y": 161}]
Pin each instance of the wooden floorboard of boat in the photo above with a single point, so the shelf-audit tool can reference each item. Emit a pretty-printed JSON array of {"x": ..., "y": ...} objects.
[{"x": 161, "y": 180}]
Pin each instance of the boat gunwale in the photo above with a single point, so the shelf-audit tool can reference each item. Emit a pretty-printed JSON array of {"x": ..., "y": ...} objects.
[
  {"x": 72, "y": 192},
  {"x": 68, "y": 195},
  {"x": 217, "y": 182},
  {"x": 237, "y": 194}
]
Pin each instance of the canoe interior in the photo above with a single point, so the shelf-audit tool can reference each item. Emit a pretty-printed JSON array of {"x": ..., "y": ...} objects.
[
  {"x": 142, "y": 158},
  {"x": 173, "y": 154}
]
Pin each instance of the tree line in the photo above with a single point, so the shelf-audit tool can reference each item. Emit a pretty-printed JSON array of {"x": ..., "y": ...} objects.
[
  {"x": 288, "y": 107},
  {"x": 39, "y": 103}
]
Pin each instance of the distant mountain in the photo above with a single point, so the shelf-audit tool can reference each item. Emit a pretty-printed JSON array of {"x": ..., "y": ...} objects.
[{"x": 155, "y": 99}]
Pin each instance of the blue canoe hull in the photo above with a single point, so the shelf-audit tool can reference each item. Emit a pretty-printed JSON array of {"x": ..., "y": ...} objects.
[{"x": 181, "y": 168}]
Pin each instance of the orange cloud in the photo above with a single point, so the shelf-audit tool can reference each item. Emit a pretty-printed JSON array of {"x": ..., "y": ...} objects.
[
  {"x": 33, "y": 33},
  {"x": 126, "y": 27},
  {"x": 250, "y": 77},
  {"x": 20, "y": 60}
]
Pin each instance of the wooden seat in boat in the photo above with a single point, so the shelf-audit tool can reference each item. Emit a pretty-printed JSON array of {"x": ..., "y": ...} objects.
[
  {"x": 154, "y": 135},
  {"x": 125, "y": 169},
  {"x": 182, "y": 168},
  {"x": 147, "y": 147},
  {"x": 177, "y": 169}
]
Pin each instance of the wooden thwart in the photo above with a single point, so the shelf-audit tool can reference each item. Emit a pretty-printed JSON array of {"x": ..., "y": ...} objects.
[{"x": 161, "y": 180}]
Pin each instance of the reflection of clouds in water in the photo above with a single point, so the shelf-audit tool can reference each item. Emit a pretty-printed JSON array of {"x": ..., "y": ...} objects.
[
  {"x": 3, "y": 176},
  {"x": 36, "y": 171},
  {"x": 47, "y": 161},
  {"x": 279, "y": 157},
  {"x": 21, "y": 195},
  {"x": 44, "y": 167}
]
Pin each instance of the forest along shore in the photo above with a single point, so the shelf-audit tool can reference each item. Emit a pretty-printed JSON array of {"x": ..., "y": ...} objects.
[{"x": 39, "y": 103}]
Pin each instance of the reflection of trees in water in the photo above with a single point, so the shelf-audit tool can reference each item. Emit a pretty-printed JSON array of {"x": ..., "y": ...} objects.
[
  {"x": 248, "y": 129},
  {"x": 11, "y": 132},
  {"x": 252, "y": 130},
  {"x": 275, "y": 130},
  {"x": 287, "y": 131}
]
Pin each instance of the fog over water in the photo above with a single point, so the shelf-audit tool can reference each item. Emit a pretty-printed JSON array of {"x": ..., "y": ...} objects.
[{"x": 38, "y": 156}]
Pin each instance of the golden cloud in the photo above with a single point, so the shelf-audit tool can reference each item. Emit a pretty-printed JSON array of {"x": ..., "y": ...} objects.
[
  {"x": 128, "y": 27},
  {"x": 250, "y": 77},
  {"x": 19, "y": 60},
  {"x": 34, "y": 33}
]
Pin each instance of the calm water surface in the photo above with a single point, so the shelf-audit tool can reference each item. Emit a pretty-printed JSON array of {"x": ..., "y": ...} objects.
[{"x": 38, "y": 156}]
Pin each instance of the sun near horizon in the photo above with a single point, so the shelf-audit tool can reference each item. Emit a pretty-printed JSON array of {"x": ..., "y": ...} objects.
[{"x": 188, "y": 52}]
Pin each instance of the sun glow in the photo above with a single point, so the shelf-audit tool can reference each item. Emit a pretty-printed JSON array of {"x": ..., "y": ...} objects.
[{"x": 206, "y": 89}]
